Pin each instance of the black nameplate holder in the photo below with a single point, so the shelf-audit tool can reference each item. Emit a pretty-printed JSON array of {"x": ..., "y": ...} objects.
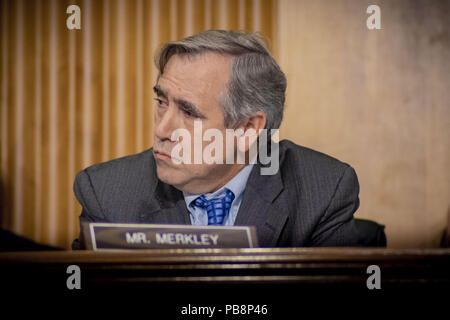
[{"x": 116, "y": 236}]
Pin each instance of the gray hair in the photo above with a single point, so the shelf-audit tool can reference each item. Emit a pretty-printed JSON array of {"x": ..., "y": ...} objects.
[{"x": 256, "y": 81}]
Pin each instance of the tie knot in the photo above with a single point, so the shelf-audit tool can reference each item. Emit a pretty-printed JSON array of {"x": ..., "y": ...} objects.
[{"x": 216, "y": 208}]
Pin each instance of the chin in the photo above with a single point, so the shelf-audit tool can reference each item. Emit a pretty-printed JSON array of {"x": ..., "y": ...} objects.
[{"x": 170, "y": 176}]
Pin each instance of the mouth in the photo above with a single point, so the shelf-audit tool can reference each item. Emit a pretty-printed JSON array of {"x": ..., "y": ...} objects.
[{"x": 161, "y": 155}]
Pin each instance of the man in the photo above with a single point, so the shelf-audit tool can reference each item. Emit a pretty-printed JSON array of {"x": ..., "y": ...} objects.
[{"x": 224, "y": 80}]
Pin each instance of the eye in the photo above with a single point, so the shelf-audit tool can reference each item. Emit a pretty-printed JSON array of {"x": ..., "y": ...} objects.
[{"x": 159, "y": 101}]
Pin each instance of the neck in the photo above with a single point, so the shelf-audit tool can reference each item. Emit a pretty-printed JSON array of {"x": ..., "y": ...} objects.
[
  {"x": 226, "y": 178},
  {"x": 214, "y": 182}
]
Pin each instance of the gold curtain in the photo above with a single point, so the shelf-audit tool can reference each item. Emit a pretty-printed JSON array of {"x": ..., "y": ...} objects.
[{"x": 72, "y": 98}]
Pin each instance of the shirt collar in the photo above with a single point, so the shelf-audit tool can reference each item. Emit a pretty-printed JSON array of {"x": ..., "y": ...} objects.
[{"x": 236, "y": 184}]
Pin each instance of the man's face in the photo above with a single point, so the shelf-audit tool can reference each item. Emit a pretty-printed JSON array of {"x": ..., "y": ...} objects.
[{"x": 187, "y": 91}]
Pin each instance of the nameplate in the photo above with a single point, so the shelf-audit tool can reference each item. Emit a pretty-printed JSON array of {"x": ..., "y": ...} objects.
[{"x": 113, "y": 236}]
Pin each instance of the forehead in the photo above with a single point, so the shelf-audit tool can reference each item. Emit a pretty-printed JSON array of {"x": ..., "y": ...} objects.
[{"x": 200, "y": 76}]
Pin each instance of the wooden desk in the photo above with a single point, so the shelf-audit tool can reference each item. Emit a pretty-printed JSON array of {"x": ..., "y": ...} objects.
[
  {"x": 293, "y": 266},
  {"x": 280, "y": 278}
]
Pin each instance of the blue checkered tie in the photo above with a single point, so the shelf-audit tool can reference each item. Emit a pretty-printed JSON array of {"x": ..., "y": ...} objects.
[{"x": 216, "y": 208}]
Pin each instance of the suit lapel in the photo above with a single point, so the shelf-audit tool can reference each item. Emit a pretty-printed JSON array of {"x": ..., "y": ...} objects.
[
  {"x": 262, "y": 206},
  {"x": 167, "y": 206}
]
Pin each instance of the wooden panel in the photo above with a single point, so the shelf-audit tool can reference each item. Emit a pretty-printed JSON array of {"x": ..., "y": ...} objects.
[
  {"x": 377, "y": 99},
  {"x": 72, "y": 98},
  {"x": 321, "y": 269}
]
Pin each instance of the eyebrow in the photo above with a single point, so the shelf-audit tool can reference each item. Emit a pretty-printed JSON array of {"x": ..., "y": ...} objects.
[
  {"x": 184, "y": 105},
  {"x": 160, "y": 92}
]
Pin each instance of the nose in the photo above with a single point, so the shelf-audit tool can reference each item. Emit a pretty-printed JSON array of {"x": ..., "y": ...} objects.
[{"x": 165, "y": 124}]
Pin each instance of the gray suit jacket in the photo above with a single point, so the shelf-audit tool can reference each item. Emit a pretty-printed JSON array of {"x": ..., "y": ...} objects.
[{"x": 309, "y": 202}]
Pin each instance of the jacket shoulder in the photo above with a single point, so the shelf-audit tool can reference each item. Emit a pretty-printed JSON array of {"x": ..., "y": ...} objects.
[
  {"x": 121, "y": 173},
  {"x": 306, "y": 160},
  {"x": 116, "y": 184},
  {"x": 122, "y": 166},
  {"x": 314, "y": 174}
]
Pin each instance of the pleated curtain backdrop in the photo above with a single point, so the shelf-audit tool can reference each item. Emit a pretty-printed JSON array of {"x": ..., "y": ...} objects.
[{"x": 72, "y": 98}]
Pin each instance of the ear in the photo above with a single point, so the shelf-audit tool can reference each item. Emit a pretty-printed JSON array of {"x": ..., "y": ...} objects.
[{"x": 252, "y": 128}]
